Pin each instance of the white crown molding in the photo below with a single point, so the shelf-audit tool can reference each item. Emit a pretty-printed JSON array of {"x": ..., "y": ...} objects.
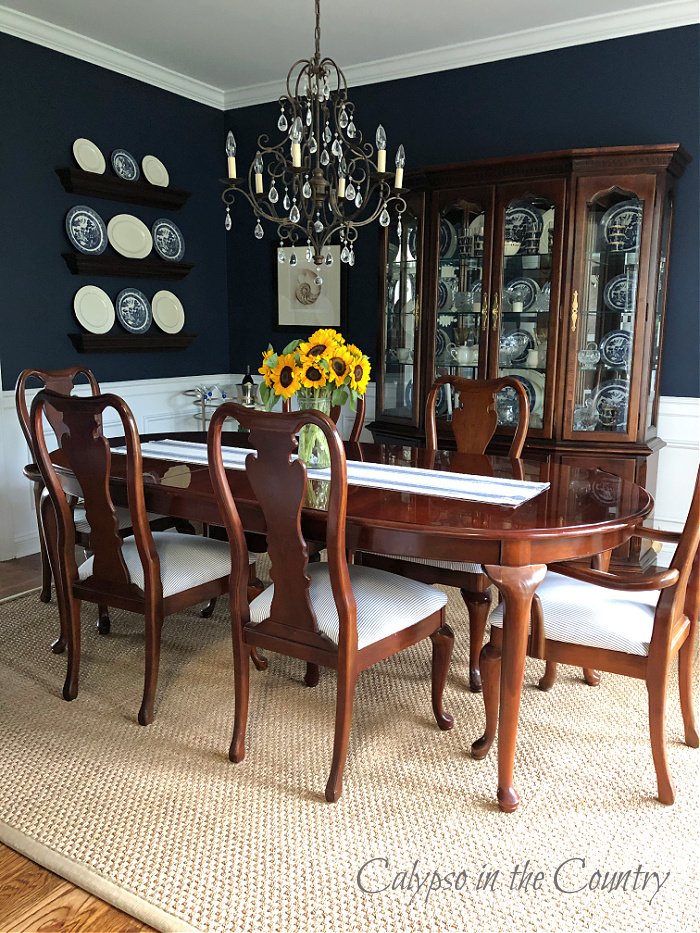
[
  {"x": 513, "y": 45},
  {"x": 71, "y": 43}
]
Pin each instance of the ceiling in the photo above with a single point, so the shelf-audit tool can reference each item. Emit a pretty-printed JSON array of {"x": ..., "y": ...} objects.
[{"x": 231, "y": 53}]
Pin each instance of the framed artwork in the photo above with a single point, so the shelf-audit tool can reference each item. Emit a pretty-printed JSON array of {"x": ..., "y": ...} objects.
[{"x": 301, "y": 302}]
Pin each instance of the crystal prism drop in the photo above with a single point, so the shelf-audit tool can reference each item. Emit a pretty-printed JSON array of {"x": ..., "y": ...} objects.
[
  {"x": 282, "y": 124},
  {"x": 325, "y": 158},
  {"x": 313, "y": 145},
  {"x": 327, "y": 134},
  {"x": 286, "y": 202},
  {"x": 308, "y": 116},
  {"x": 326, "y": 89},
  {"x": 294, "y": 214},
  {"x": 384, "y": 218},
  {"x": 345, "y": 254},
  {"x": 336, "y": 148},
  {"x": 306, "y": 190},
  {"x": 351, "y": 130},
  {"x": 399, "y": 229},
  {"x": 351, "y": 257},
  {"x": 281, "y": 258},
  {"x": 273, "y": 195},
  {"x": 350, "y": 192},
  {"x": 358, "y": 199},
  {"x": 318, "y": 280},
  {"x": 309, "y": 254},
  {"x": 343, "y": 119},
  {"x": 227, "y": 223},
  {"x": 329, "y": 259},
  {"x": 318, "y": 226},
  {"x": 293, "y": 259},
  {"x": 259, "y": 232}
]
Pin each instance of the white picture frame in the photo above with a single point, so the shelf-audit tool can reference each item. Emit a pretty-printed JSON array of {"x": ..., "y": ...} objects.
[{"x": 302, "y": 303}]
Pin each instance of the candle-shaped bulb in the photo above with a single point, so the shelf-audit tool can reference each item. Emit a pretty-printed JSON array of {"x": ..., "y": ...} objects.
[
  {"x": 231, "y": 154},
  {"x": 295, "y": 134},
  {"x": 258, "y": 169},
  {"x": 380, "y": 139},
  {"x": 342, "y": 174},
  {"x": 400, "y": 163}
]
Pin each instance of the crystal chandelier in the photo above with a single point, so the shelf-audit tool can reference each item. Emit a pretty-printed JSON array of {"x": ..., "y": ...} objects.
[{"x": 319, "y": 183}]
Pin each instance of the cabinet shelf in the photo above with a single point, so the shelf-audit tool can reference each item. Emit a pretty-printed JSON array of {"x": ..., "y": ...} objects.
[
  {"x": 111, "y": 188},
  {"x": 118, "y": 343},
  {"x": 81, "y": 264}
]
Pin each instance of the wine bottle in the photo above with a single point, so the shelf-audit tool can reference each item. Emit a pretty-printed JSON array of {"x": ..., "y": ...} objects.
[{"x": 248, "y": 379}]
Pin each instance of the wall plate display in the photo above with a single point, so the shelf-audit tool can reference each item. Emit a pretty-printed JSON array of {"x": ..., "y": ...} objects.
[
  {"x": 168, "y": 241},
  {"x": 611, "y": 400},
  {"x": 615, "y": 348},
  {"x": 86, "y": 230},
  {"x": 525, "y": 290},
  {"x": 94, "y": 309},
  {"x": 129, "y": 236},
  {"x": 620, "y": 293},
  {"x": 134, "y": 311},
  {"x": 168, "y": 312},
  {"x": 154, "y": 171},
  {"x": 125, "y": 165},
  {"x": 621, "y": 224},
  {"x": 88, "y": 157}
]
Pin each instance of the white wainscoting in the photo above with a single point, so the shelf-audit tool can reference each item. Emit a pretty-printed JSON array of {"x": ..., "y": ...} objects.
[{"x": 160, "y": 405}]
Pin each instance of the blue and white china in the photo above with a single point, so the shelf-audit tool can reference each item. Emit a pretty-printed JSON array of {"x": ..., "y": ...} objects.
[
  {"x": 615, "y": 348},
  {"x": 168, "y": 241},
  {"x": 442, "y": 344},
  {"x": 86, "y": 230},
  {"x": 620, "y": 293},
  {"x": 411, "y": 242},
  {"x": 610, "y": 401},
  {"x": 514, "y": 346},
  {"x": 448, "y": 239},
  {"x": 445, "y": 294},
  {"x": 525, "y": 290},
  {"x": 125, "y": 165},
  {"x": 522, "y": 221},
  {"x": 134, "y": 311},
  {"x": 621, "y": 225}
]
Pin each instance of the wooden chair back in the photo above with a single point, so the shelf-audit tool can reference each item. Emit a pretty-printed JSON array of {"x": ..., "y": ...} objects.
[
  {"x": 684, "y": 597},
  {"x": 474, "y": 422},
  {"x": 85, "y": 451},
  {"x": 280, "y": 484},
  {"x": 62, "y": 381}
]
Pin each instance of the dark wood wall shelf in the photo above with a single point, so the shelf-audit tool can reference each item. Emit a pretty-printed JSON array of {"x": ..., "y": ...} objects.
[
  {"x": 75, "y": 181},
  {"x": 151, "y": 267},
  {"x": 118, "y": 343}
]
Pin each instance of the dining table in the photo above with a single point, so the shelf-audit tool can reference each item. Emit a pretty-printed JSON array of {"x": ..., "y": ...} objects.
[{"x": 581, "y": 512}]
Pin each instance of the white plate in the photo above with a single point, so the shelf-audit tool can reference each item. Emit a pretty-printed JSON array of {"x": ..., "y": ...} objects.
[
  {"x": 88, "y": 156},
  {"x": 168, "y": 312},
  {"x": 155, "y": 171},
  {"x": 130, "y": 236},
  {"x": 94, "y": 309}
]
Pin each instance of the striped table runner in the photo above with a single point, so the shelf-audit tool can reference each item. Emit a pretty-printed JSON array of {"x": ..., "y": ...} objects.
[{"x": 507, "y": 492}]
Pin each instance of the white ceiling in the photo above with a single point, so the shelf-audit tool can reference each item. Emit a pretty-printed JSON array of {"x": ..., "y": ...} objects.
[{"x": 230, "y": 52}]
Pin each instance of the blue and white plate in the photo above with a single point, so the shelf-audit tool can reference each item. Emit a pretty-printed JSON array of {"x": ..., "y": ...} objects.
[
  {"x": 620, "y": 293},
  {"x": 168, "y": 241},
  {"x": 411, "y": 242},
  {"x": 134, "y": 311},
  {"x": 444, "y": 295},
  {"x": 615, "y": 349},
  {"x": 507, "y": 396},
  {"x": 626, "y": 217},
  {"x": 125, "y": 165},
  {"x": 448, "y": 239},
  {"x": 611, "y": 401},
  {"x": 522, "y": 221},
  {"x": 86, "y": 230}
]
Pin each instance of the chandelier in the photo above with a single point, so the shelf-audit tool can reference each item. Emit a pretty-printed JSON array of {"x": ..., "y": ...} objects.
[{"x": 319, "y": 183}]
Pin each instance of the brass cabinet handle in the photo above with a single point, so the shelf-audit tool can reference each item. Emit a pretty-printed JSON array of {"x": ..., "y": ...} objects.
[
  {"x": 574, "y": 312},
  {"x": 417, "y": 313},
  {"x": 484, "y": 310},
  {"x": 495, "y": 312}
]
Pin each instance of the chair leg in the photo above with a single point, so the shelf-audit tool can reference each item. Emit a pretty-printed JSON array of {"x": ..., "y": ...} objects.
[
  {"x": 241, "y": 679},
  {"x": 591, "y": 676},
  {"x": 103, "y": 622},
  {"x": 443, "y": 643},
  {"x": 657, "y": 681},
  {"x": 313, "y": 674},
  {"x": 343, "y": 717},
  {"x": 45, "y": 594},
  {"x": 49, "y": 531},
  {"x": 208, "y": 610},
  {"x": 549, "y": 677},
  {"x": 70, "y": 687},
  {"x": 153, "y": 626},
  {"x": 490, "y": 663},
  {"x": 685, "y": 683},
  {"x": 478, "y": 606}
]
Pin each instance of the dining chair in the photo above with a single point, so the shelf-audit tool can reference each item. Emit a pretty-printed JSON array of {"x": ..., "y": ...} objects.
[
  {"x": 624, "y": 623},
  {"x": 154, "y": 573},
  {"x": 333, "y": 614},
  {"x": 64, "y": 381},
  {"x": 474, "y": 422}
]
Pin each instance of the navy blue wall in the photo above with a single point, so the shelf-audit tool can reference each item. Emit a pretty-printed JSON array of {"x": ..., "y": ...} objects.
[
  {"x": 47, "y": 100},
  {"x": 637, "y": 90}
]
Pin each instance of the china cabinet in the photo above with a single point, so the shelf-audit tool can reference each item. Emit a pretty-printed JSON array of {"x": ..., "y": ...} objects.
[{"x": 551, "y": 268}]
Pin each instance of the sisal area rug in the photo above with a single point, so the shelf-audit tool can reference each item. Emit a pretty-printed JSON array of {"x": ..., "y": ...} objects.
[{"x": 158, "y": 822}]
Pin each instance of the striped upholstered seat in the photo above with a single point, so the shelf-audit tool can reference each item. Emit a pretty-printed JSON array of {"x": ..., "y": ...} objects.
[
  {"x": 459, "y": 566},
  {"x": 585, "y": 614},
  {"x": 386, "y": 603},
  {"x": 123, "y": 517}
]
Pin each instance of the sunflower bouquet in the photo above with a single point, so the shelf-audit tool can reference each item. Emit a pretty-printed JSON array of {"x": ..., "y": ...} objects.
[{"x": 322, "y": 369}]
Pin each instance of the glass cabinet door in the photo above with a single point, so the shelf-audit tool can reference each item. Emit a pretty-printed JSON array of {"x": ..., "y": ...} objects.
[
  {"x": 461, "y": 303},
  {"x": 607, "y": 309},
  {"x": 524, "y": 305},
  {"x": 398, "y": 388}
]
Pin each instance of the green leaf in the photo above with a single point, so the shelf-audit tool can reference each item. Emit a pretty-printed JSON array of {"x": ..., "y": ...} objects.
[
  {"x": 353, "y": 398},
  {"x": 271, "y": 361},
  {"x": 339, "y": 397},
  {"x": 291, "y": 347},
  {"x": 322, "y": 364},
  {"x": 264, "y": 392}
]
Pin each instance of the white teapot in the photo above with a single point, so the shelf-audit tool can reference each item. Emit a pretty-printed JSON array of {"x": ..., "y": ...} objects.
[{"x": 464, "y": 355}]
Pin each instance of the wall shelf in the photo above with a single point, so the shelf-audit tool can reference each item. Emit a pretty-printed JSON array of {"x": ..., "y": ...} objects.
[
  {"x": 75, "y": 181},
  {"x": 118, "y": 343},
  {"x": 152, "y": 267}
]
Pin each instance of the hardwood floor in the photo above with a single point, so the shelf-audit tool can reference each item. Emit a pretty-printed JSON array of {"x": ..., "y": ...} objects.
[{"x": 32, "y": 898}]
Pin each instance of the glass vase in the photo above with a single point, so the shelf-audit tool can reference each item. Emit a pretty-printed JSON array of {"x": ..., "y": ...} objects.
[{"x": 313, "y": 445}]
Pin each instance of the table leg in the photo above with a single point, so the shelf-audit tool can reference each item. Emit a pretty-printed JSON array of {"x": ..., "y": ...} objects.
[{"x": 517, "y": 585}]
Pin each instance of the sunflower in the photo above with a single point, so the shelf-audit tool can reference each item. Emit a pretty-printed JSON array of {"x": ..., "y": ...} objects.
[
  {"x": 359, "y": 373},
  {"x": 340, "y": 362},
  {"x": 320, "y": 342},
  {"x": 264, "y": 369},
  {"x": 313, "y": 376},
  {"x": 285, "y": 378}
]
